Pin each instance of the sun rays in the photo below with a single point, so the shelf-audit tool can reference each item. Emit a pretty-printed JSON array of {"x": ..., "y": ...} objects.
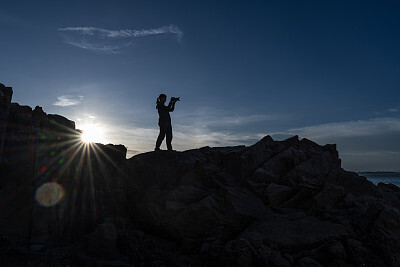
[{"x": 72, "y": 168}]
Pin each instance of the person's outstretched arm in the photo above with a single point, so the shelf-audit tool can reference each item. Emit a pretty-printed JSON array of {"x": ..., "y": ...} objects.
[{"x": 171, "y": 106}]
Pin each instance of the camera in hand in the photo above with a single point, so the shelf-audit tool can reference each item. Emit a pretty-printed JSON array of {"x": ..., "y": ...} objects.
[{"x": 175, "y": 99}]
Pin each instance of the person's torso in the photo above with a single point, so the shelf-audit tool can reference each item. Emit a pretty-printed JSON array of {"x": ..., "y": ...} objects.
[{"x": 163, "y": 113}]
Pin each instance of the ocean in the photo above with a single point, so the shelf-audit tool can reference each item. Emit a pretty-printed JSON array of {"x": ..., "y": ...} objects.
[{"x": 384, "y": 177}]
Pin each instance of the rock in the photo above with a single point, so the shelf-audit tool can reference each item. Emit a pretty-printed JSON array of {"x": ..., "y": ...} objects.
[
  {"x": 102, "y": 243},
  {"x": 5, "y": 102},
  {"x": 285, "y": 161},
  {"x": 263, "y": 176},
  {"x": 331, "y": 253},
  {"x": 237, "y": 253},
  {"x": 293, "y": 231},
  {"x": 328, "y": 197},
  {"x": 308, "y": 262},
  {"x": 277, "y": 194},
  {"x": 302, "y": 197},
  {"x": 61, "y": 124},
  {"x": 361, "y": 255},
  {"x": 37, "y": 149},
  {"x": 256, "y": 155}
]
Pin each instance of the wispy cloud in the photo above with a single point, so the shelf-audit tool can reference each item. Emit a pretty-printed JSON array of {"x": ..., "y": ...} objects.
[
  {"x": 210, "y": 117},
  {"x": 68, "y": 100},
  {"x": 246, "y": 119},
  {"x": 388, "y": 111},
  {"x": 115, "y": 34},
  {"x": 101, "y": 48},
  {"x": 106, "y": 41},
  {"x": 370, "y": 127}
]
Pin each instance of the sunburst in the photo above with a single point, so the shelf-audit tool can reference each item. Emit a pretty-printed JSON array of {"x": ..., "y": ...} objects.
[{"x": 92, "y": 133}]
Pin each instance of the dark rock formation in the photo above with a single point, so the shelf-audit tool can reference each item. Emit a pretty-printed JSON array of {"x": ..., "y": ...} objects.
[
  {"x": 276, "y": 203},
  {"x": 272, "y": 204},
  {"x": 5, "y": 101},
  {"x": 53, "y": 188}
]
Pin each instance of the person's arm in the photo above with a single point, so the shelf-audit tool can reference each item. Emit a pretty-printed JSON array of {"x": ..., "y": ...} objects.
[{"x": 171, "y": 106}]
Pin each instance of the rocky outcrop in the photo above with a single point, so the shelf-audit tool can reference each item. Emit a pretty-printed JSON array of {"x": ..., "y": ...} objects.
[
  {"x": 275, "y": 203},
  {"x": 5, "y": 101},
  {"x": 272, "y": 204},
  {"x": 50, "y": 181}
]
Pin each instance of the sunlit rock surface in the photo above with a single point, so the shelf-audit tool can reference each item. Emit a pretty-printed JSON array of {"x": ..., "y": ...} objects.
[{"x": 276, "y": 203}]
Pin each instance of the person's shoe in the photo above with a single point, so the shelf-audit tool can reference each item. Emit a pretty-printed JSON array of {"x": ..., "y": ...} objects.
[{"x": 157, "y": 149}]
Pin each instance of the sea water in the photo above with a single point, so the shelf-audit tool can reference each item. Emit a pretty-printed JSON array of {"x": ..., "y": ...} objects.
[{"x": 384, "y": 177}]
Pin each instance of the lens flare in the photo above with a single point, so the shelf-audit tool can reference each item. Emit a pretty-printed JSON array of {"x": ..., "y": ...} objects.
[{"x": 49, "y": 194}]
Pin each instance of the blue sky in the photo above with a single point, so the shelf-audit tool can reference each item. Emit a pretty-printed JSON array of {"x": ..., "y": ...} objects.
[{"x": 325, "y": 70}]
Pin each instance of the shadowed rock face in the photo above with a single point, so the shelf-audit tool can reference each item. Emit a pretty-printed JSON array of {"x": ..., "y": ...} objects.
[
  {"x": 276, "y": 203},
  {"x": 51, "y": 183},
  {"x": 272, "y": 204},
  {"x": 5, "y": 100}
]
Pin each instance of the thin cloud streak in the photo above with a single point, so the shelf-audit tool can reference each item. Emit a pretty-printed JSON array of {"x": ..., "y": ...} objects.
[
  {"x": 109, "y": 41},
  {"x": 242, "y": 120},
  {"x": 117, "y": 34},
  {"x": 107, "y": 49},
  {"x": 213, "y": 117},
  {"x": 68, "y": 100}
]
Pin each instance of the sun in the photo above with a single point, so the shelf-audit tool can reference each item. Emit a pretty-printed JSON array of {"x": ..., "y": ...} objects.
[{"x": 92, "y": 134}]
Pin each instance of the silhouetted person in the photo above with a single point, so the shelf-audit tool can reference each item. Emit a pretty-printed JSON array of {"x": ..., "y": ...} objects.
[{"x": 164, "y": 120}]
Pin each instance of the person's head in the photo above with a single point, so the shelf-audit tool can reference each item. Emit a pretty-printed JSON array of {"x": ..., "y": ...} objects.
[{"x": 161, "y": 99}]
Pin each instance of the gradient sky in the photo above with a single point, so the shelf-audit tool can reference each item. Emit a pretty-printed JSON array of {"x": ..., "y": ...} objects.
[{"x": 325, "y": 70}]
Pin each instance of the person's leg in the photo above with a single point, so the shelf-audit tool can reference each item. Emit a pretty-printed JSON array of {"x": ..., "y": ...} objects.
[
  {"x": 169, "y": 137},
  {"x": 161, "y": 136}
]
